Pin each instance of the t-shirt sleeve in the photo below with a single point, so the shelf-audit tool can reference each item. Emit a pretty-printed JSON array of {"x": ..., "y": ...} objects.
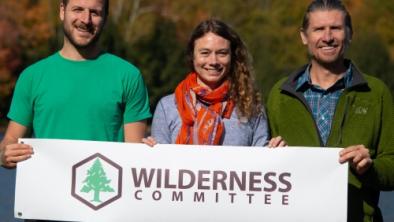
[
  {"x": 136, "y": 100},
  {"x": 21, "y": 110}
]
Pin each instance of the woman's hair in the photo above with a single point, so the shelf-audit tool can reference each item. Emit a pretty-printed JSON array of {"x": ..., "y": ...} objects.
[{"x": 241, "y": 76}]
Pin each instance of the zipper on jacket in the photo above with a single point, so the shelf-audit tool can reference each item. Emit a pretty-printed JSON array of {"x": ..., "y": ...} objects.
[
  {"x": 344, "y": 116},
  {"x": 301, "y": 97},
  {"x": 348, "y": 102}
]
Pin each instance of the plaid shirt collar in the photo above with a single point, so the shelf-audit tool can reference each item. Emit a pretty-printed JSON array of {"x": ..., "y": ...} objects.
[{"x": 304, "y": 81}]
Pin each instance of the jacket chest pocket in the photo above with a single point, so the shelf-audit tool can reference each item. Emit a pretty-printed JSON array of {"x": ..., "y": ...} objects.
[{"x": 363, "y": 122}]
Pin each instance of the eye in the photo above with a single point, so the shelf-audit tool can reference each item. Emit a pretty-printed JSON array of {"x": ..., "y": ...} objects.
[
  {"x": 223, "y": 53},
  {"x": 318, "y": 29},
  {"x": 77, "y": 9},
  {"x": 205, "y": 53},
  {"x": 95, "y": 13},
  {"x": 336, "y": 28}
]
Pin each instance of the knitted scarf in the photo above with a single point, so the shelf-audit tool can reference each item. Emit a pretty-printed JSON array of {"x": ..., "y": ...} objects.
[{"x": 202, "y": 111}]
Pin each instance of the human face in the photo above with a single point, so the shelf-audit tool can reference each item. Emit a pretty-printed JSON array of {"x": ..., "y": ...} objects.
[
  {"x": 211, "y": 60},
  {"x": 325, "y": 36},
  {"x": 83, "y": 21}
]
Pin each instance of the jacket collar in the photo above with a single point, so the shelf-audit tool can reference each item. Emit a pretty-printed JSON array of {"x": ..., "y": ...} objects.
[{"x": 358, "y": 80}]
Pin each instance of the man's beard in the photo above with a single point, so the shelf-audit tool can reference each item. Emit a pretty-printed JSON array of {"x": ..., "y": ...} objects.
[{"x": 91, "y": 44}]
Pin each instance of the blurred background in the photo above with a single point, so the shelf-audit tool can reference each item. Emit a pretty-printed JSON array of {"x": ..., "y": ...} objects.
[{"x": 152, "y": 34}]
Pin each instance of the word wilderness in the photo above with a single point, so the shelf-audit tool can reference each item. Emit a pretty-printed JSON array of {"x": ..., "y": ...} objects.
[{"x": 206, "y": 185}]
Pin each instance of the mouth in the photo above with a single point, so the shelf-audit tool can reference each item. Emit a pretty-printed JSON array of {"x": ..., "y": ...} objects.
[
  {"x": 329, "y": 48},
  {"x": 214, "y": 71},
  {"x": 86, "y": 30}
]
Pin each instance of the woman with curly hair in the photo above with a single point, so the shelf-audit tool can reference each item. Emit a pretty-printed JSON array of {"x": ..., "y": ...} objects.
[{"x": 217, "y": 103}]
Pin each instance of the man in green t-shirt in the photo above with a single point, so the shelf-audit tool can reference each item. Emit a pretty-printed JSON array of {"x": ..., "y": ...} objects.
[{"x": 79, "y": 92}]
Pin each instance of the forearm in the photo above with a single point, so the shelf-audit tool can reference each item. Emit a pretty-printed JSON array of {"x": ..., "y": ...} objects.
[
  {"x": 381, "y": 176},
  {"x": 134, "y": 132}
]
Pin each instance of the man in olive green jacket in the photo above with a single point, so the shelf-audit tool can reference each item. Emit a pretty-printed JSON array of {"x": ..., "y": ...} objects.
[{"x": 330, "y": 103}]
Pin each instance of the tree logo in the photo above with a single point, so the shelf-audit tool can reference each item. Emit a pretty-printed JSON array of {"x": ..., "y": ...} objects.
[{"x": 96, "y": 181}]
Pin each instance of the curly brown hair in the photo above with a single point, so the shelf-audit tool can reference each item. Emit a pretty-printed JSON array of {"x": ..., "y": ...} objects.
[{"x": 241, "y": 76}]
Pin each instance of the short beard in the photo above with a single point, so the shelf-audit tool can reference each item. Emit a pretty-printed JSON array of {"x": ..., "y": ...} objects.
[{"x": 89, "y": 45}]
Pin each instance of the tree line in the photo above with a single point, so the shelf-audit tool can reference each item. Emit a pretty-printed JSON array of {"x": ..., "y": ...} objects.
[{"x": 152, "y": 34}]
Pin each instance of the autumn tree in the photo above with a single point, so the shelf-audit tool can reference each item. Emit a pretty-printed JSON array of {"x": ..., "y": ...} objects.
[
  {"x": 10, "y": 61},
  {"x": 152, "y": 34},
  {"x": 25, "y": 30}
]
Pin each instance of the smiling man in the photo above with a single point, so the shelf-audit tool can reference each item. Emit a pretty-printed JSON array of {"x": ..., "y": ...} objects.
[
  {"x": 330, "y": 103},
  {"x": 79, "y": 92}
]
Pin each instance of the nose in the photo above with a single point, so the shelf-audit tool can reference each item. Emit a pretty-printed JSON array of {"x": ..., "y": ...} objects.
[
  {"x": 328, "y": 37},
  {"x": 212, "y": 59},
  {"x": 86, "y": 17}
]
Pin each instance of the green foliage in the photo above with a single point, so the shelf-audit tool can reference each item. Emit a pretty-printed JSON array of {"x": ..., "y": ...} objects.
[
  {"x": 161, "y": 58},
  {"x": 371, "y": 56},
  {"x": 153, "y": 34}
]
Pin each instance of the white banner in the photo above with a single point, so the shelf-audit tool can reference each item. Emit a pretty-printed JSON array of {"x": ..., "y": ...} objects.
[{"x": 102, "y": 181}]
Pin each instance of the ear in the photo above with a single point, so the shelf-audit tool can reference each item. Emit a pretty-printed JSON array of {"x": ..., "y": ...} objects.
[
  {"x": 349, "y": 35},
  {"x": 62, "y": 11},
  {"x": 304, "y": 38}
]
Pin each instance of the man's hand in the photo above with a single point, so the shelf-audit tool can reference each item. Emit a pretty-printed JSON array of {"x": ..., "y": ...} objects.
[
  {"x": 14, "y": 153},
  {"x": 358, "y": 158}
]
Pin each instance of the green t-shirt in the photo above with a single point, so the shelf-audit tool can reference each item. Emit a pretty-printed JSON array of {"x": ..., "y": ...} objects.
[{"x": 88, "y": 100}]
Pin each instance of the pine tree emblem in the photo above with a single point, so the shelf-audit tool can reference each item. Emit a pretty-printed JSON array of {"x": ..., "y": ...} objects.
[{"x": 96, "y": 181}]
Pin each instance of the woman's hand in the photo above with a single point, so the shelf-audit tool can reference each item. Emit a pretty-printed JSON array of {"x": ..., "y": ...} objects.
[
  {"x": 150, "y": 141},
  {"x": 277, "y": 142}
]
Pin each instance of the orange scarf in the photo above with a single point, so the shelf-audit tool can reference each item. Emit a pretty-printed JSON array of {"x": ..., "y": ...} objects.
[{"x": 202, "y": 111}]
